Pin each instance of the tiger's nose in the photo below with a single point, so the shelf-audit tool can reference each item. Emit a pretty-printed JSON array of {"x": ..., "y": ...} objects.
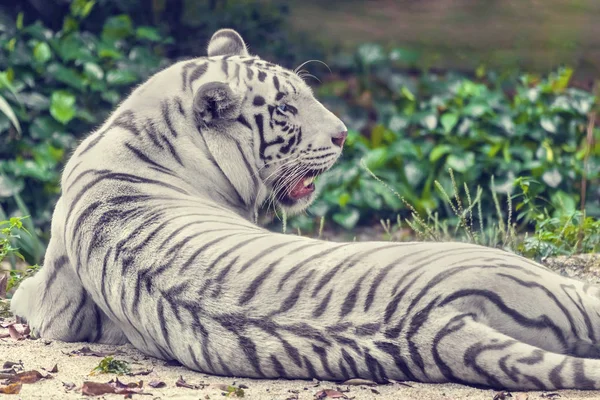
[{"x": 339, "y": 138}]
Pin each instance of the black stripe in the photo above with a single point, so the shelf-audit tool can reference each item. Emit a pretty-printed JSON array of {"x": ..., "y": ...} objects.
[
  {"x": 179, "y": 104},
  {"x": 166, "y": 115},
  {"x": 184, "y": 73},
  {"x": 172, "y": 150},
  {"x": 292, "y": 299},
  {"x": 248, "y": 347},
  {"x": 276, "y": 82},
  {"x": 244, "y": 121},
  {"x": 317, "y": 312},
  {"x": 225, "y": 67},
  {"x": 278, "y": 367},
  {"x": 256, "y": 283},
  {"x": 262, "y": 76},
  {"x": 350, "y": 300},
  {"x": 540, "y": 323},
  {"x": 144, "y": 158},
  {"x": 267, "y": 251},
  {"x": 197, "y": 73}
]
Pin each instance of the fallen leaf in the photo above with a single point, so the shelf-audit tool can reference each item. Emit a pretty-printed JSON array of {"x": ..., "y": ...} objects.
[
  {"x": 140, "y": 372},
  {"x": 522, "y": 396},
  {"x": 120, "y": 385},
  {"x": 182, "y": 383},
  {"x": 96, "y": 389},
  {"x": 86, "y": 351},
  {"x": 13, "y": 388},
  {"x": 374, "y": 391},
  {"x": 11, "y": 364},
  {"x": 502, "y": 395},
  {"x": 28, "y": 377},
  {"x": 114, "y": 386},
  {"x": 157, "y": 384},
  {"x": 14, "y": 333},
  {"x": 550, "y": 395},
  {"x": 69, "y": 385},
  {"x": 4, "y": 335},
  {"x": 330, "y": 394},
  {"x": 358, "y": 382}
]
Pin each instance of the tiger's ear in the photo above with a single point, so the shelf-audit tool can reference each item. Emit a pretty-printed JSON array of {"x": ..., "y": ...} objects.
[
  {"x": 227, "y": 42},
  {"x": 215, "y": 102}
]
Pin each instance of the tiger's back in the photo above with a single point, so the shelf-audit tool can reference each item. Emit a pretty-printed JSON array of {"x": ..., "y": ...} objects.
[{"x": 153, "y": 242}]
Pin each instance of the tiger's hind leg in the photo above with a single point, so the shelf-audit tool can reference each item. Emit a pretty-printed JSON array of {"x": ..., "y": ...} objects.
[
  {"x": 56, "y": 306},
  {"x": 469, "y": 352}
]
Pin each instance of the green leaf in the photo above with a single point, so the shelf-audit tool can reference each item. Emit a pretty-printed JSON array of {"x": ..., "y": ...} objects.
[
  {"x": 82, "y": 8},
  {"x": 476, "y": 109},
  {"x": 7, "y": 110},
  {"x": 449, "y": 121},
  {"x": 93, "y": 70},
  {"x": 42, "y": 52},
  {"x": 62, "y": 106},
  {"x": 116, "y": 28},
  {"x": 120, "y": 77},
  {"x": 549, "y": 124},
  {"x": 148, "y": 33},
  {"x": 376, "y": 158},
  {"x": 429, "y": 121},
  {"x": 439, "y": 151},
  {"x": 347, "y": 219},
  {"x": 66, "y": 75},
  {"x": 370, "y": 54},
  {"x": 407, "y": 93},
  {"x": 461, "y": 163}
]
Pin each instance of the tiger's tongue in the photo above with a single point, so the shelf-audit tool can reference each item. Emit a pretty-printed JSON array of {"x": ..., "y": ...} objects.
[{"x": 302, "y": 188}]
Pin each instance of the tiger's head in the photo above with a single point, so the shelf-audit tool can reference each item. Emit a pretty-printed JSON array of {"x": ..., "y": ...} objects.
[{"x": 271, "y": 118}]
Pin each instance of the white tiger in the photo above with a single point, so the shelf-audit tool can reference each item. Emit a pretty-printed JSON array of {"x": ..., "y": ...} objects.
[{"x": 153, "y": 242}]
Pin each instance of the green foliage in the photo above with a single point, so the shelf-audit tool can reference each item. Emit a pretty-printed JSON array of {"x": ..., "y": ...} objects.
[
  {"x": 60, "y": 85},
  {"x": 17, "y": 276},
  {"x": 109, "y": 365},
  {"x": 8, "y": 234},
  {"x": 409, "y": 129}
]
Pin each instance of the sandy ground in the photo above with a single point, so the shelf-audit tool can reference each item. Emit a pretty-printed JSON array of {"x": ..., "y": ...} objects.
[
  {"x": 39, "y": 355},
  {"x": 42, "y": 355}
]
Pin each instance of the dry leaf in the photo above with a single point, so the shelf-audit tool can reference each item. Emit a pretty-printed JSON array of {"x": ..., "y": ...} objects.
[
  {"x": 10, "y": 364},
  {"x": 86, "y": 351},
  {"x": 28, "y": 377},
  {"x": 54, "y": 369},
  {"x": 550, "y": 395},
  {"x": 69, "y": 385},
  {"x": 522, "y": 396},
  {"x": 13, "y": 388},
  {"x": 157, "y": 384},
  {"x": 182, "y": 383},
  {"x": 502, "y": 395},
  {"x": 140, "y": 372},
  {"x": 330, "y": 394},
  {"x": 96, "y": 389},
  {"x": 358, "y": 382},
  {"x": 114, "y": 386},
  {"x": 14, "y": 333}
]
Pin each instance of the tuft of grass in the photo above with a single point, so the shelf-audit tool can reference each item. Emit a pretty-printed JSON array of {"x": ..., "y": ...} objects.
[{"x": 109, "y": 365}]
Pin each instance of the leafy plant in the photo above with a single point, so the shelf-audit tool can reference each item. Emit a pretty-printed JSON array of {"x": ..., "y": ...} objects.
[
  {"x": 8, "y": 233},
  {"x": 17, "y": 276},
  {"x": 55, "y": 87},
  {"x": 410, "y": 129},
  {"x": 109, "y": 365}
]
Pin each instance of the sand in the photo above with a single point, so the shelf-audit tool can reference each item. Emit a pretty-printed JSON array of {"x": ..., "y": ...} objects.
[{"x": 42, "y": 354}]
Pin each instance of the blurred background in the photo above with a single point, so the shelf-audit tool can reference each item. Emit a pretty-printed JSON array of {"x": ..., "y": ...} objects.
[{"x": 478, "y": 118}]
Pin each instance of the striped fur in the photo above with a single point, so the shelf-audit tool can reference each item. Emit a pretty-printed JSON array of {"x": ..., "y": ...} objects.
[{"x": 154, "y": 242}]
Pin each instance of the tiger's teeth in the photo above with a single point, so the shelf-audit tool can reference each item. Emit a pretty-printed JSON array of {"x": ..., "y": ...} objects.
[{"x": 308, "y": 181}]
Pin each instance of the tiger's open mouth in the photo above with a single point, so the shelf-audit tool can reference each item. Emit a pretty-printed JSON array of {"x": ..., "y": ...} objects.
[{"x": 298, "y": 189}]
